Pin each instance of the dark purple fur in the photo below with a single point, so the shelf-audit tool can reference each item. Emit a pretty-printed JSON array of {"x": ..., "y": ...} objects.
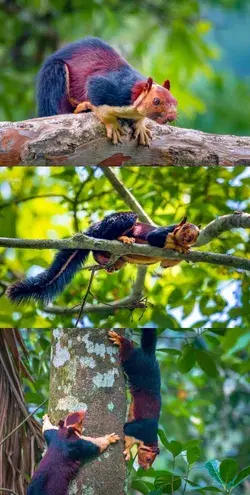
[
  {"x": 141, "y": 367},
  {"x": 61, "y": 462},
  {"x": 97, "y": 73}
]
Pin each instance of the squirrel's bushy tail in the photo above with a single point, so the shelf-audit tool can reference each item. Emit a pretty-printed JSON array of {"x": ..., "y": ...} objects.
[
  {"x": 48, "y": 284},
  {"x": 148, "y": 340},
  {"x": 52, "y": 89}
]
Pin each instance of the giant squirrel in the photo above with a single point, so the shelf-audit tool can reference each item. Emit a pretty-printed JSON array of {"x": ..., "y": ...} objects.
[
  {"x": 142, "y": 370},
  {"x": 122, "y": 226},
  {"x": 67, "y": 451},
  {"x": 91, "y": 75}
]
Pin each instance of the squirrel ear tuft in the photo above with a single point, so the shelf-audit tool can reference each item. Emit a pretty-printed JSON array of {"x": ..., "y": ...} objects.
[
  {"x": 183, "y": 221},
  {"x": 166, "y": 84},
  {"x": 149, "y": 84}
]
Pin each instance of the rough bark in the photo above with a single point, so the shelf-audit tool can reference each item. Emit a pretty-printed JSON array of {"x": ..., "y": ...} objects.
[
  {"x": 81, "y": 140},
  {"x": 85, "y": 374}
]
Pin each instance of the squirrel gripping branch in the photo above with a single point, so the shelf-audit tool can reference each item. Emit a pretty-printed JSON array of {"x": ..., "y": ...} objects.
[
  {"x": 143, "y": 374},
  {"x": 91, "y": 75},
  {"x": 122, "y": 226},
  {"x": 67, "y": 451}
]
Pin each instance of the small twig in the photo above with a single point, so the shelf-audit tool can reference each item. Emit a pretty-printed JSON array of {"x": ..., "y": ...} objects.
[
  {"x": 85, "y": 297},
  {"x": 22, "y": 423}
]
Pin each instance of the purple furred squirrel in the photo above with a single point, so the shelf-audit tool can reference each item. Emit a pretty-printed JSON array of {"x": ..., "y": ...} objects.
[{"x": 91, "y": 75}]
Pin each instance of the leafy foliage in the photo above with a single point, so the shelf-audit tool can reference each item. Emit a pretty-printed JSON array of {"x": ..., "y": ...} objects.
[
  {"x": 208, "y": 410},
  {"x": 54, "y": 203}
]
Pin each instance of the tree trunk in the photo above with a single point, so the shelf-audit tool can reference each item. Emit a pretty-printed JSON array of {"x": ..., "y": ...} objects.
[{"x": 86, "y": 374}]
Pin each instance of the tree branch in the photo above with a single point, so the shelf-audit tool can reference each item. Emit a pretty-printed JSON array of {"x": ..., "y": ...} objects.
[
  {"x": 222, "y": 224},
  {"x": 133, "y": 301},
  {"x": 81, "y": 140},
  {"x": 127, "y": 196},
  {"x": 82, "y": 241}
]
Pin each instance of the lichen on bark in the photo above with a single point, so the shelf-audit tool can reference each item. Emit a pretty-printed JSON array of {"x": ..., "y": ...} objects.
[{"x": 86, "y": 374}]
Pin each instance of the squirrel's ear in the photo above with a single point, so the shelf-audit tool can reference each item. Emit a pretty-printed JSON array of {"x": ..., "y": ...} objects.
[
  {"x": 199, "y": 226},
  {"x": 148, "y": 85},
  {"x": 166, "y": 84},
  {"x": 183, "y": 221}
]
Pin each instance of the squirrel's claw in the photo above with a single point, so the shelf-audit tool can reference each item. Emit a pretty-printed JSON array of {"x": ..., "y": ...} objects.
[
  {"x": 115, "y": 132},
  {"x": 126, "y": 453},
  {"x": 142, "y": 133},
  {"x": 113, "y": 438}
]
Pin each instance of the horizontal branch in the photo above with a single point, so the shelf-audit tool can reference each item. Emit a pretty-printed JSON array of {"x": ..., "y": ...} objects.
[
  {"x": 81, "y": 241},
  {"x": 81, "y": 140}
]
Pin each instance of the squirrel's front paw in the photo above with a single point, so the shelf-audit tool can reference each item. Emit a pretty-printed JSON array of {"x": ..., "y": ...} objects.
[
  {"x": 113, "y": 438},
  {"x": 115, "y": 132},
  {"x": 142, "y": 133},
  {"x": 127, "y": 455},
  {"x": 114, "y": 337},
  {"x": 126, "y": 240}
]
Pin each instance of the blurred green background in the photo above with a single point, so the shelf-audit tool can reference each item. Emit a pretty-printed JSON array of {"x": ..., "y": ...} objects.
[
  {"x": 52, "y": 203},
  {"x": 202, "y": 47}
]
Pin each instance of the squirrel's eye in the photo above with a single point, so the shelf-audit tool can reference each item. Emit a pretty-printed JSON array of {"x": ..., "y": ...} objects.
[{"x": 156, "y": 101}]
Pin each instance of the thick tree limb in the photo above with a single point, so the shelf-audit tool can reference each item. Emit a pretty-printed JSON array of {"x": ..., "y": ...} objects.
[
  {"x": 80, "y": 140},
  {"x": 81, "y": 241}
]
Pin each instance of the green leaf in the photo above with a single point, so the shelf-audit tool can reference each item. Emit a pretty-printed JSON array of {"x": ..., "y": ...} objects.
[
  {"x": 140, "y": 486},
  {"x": 193, "y": 454},
  {"x": 173, "y": 352},
  {"x": 190, "y": 444},
  {"x": 241, "y": 476},
  {"x": 163, "y": 438},
  {"x": 228, "y": 469},
  {"x": 207, "y": 363},
  {"x": 188, "y": 359},
  {"x": 192, "y": 483},
  {"x": 213, "y": 468},
  {"x": 168, "y": 483},
  {"x": 174, "y": 447}
]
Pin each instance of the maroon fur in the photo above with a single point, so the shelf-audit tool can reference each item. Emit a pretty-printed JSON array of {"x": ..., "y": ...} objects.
[
  {"x": 145, "y": 405},
  {"x": 89, "y": 62}
]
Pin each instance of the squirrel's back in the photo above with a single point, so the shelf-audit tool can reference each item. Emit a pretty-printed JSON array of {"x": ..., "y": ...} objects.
[{"x": 66, "y": 73}]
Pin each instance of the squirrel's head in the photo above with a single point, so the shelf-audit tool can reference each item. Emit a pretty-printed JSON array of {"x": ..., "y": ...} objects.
[
  {"x": 147, "y": 455},
  {"x": 74, "y": 421},
  {"x": 186, "y": 233},
  {"x": 154, "y": 101}
]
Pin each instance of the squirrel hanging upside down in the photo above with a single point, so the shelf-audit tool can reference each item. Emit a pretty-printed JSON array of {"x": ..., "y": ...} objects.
[
  {"x": 121, "y": 226},
  {"x": 142, "y": 370},
  {"x": 91, "y": 75},
  {"x": 67, "y": 451}
]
